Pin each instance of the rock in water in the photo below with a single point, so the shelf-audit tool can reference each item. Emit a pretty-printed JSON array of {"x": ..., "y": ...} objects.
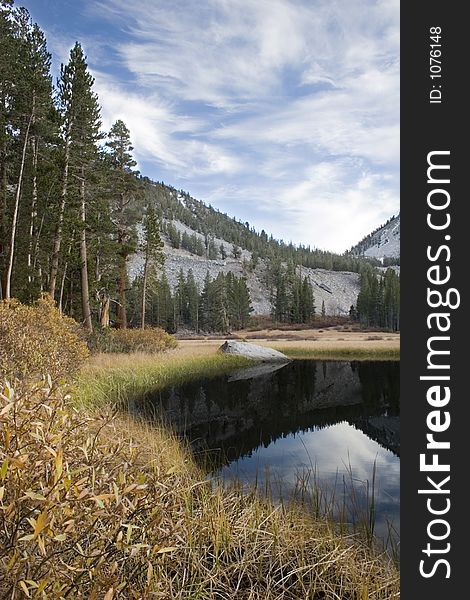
[{"x": 253, "y": 351}]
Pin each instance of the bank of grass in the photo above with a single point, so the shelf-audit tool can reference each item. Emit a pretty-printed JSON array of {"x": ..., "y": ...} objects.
[
  {"x": 330, "y": 352},
  {"x": 107, "y": 507},
  {"x": 116, "y": 379}
]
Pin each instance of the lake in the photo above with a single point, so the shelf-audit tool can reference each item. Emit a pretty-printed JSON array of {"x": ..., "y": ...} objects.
[{"x": 296, "y": 429}]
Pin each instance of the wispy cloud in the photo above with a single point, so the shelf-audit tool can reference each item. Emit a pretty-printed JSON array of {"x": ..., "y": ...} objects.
[{"x": 287, "y": 103}]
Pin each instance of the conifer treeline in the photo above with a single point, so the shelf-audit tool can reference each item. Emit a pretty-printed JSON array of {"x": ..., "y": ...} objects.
[
  {"x": 223, "y": 304},
  {"x": 292, "y": 295},
  {"x": 211, "y": 223},
  {"x": 378, "y": 303}
]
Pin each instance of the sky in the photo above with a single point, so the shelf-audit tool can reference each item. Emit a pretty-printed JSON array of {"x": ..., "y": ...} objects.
[{"x": 282, "y": 113}]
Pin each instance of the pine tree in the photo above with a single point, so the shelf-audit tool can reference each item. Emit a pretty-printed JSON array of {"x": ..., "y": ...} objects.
[
  {"x": 26, "y": 94},
  {"x": 181, "y": 303},
  {"x": 236, "y": 251},
  {"x": 307, "y": 302},
  {"x": 124, "y": 188},
  {"x": 219, "y": 320},
  {"x": 280, "y": 310},
  {"x": 162, "y": 305},
  {"x": 238, "y": 301},
  {"x": 192, "y": 295},
  {"x": 152, "y": 249},
  {"x": 212, "y": 253},
  {"x": 8, "y": 65},
  {"x": 205, "y": 303}
]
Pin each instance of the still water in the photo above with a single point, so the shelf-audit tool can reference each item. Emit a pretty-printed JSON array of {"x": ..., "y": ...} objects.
[{"x": 323, "y": 422}]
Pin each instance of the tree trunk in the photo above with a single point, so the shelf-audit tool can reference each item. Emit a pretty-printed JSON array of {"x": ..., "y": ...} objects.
[
  {"x": 86, "y": 311},
  {"x": 36, "y": 266},
  {"x": 3, "y": 212},
  {"x": 33, "y": 210},
  {"x": 121, "y": 321},
  {"x": 104, "y": 316},
  {"x": 60, "y": 217},
  {"x": 15, "y": 211},
  {"x": 144, "y": 290},
  {"x": 62, "y": 286}
]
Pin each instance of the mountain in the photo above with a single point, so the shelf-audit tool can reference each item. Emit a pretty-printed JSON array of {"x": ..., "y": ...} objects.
[
  {"x": 197, "y": 236},
  {"x": 382, "y": 243}
]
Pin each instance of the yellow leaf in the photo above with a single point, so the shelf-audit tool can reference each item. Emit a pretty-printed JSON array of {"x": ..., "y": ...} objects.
[
  {"x": 2, "y": 491},
  {"x": 24, "y": 587},
  {"x": 116, "y": 492},
  {"x": 109, "y": 594},
  {"x": 58, "y": 463},
  {"x": 8, "y": 391},
  {"x": 149, "y": 573},
  {"x": 32, "y": 583},
  {"x": 42, "y": 586},
  {"x": 26, "y": 538},
  {"x": 4, "y": 469},
  {"x": 61, "y": 537},
  {"x": 103, "y": 497},
  {"x": 42, "y": 546},
  {"x": 35, "y": 496},
  {"x": 41, "y": 522},
  {"x": 171, "y": 470},
  {"x": 167, "y": 549},
  {"x": 6, "y": 408}
]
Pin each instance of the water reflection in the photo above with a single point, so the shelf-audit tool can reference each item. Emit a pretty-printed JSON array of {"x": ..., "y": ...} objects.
[{"x": 335, "y": 418}]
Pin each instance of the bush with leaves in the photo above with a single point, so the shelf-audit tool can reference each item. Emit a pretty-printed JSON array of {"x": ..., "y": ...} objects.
[
  {"x": 37, "y": 340},
  {"x": 74, "y": 504},
  {"x": 151, "y": 340}
]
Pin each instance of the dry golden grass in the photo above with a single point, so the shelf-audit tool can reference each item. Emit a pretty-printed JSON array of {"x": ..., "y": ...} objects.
[
  {"x": 329, "y": 344},
  {"x": 98, "y": 506}
]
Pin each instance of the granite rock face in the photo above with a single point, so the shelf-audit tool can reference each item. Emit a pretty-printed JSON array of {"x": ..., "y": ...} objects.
[
  {"x": 338, "y": 290},
  {"x": 253, "y": 351}
]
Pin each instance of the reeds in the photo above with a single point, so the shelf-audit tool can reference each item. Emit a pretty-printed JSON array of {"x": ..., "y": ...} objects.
[
  {"x": 339, "y": 352},
  {"x": 118, "y": 379}
]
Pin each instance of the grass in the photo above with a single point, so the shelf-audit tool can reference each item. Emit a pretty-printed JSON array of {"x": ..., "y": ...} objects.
[
  {"x": 116, "y": 379},
  {"x": 115, "y": 509},
  {"x": 341, "y": 352}
]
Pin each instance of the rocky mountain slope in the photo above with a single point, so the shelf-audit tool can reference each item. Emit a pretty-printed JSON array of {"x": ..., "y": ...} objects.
[
  {"x": 337, "y": 289},
  {"x": 335, "y": 281},
  {"x": 381, "y": 243}
]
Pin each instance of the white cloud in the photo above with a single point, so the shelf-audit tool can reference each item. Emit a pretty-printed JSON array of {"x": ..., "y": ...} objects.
[
  {"x": 289, "y": 104},
  {"x": 154, "y": 128}
]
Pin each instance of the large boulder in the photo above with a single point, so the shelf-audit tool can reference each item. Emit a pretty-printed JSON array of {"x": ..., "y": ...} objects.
[{"x": 253, "y": 351}]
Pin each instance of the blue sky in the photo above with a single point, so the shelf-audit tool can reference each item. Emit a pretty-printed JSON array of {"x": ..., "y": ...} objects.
[{"x": 284, "y": 113}]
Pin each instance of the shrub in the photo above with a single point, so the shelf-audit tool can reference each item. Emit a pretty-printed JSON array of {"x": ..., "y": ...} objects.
[
  {"x": 37, "y": 340},
  {"x": 151, "y": 340},
  {"x": 74, "y": 505}
]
